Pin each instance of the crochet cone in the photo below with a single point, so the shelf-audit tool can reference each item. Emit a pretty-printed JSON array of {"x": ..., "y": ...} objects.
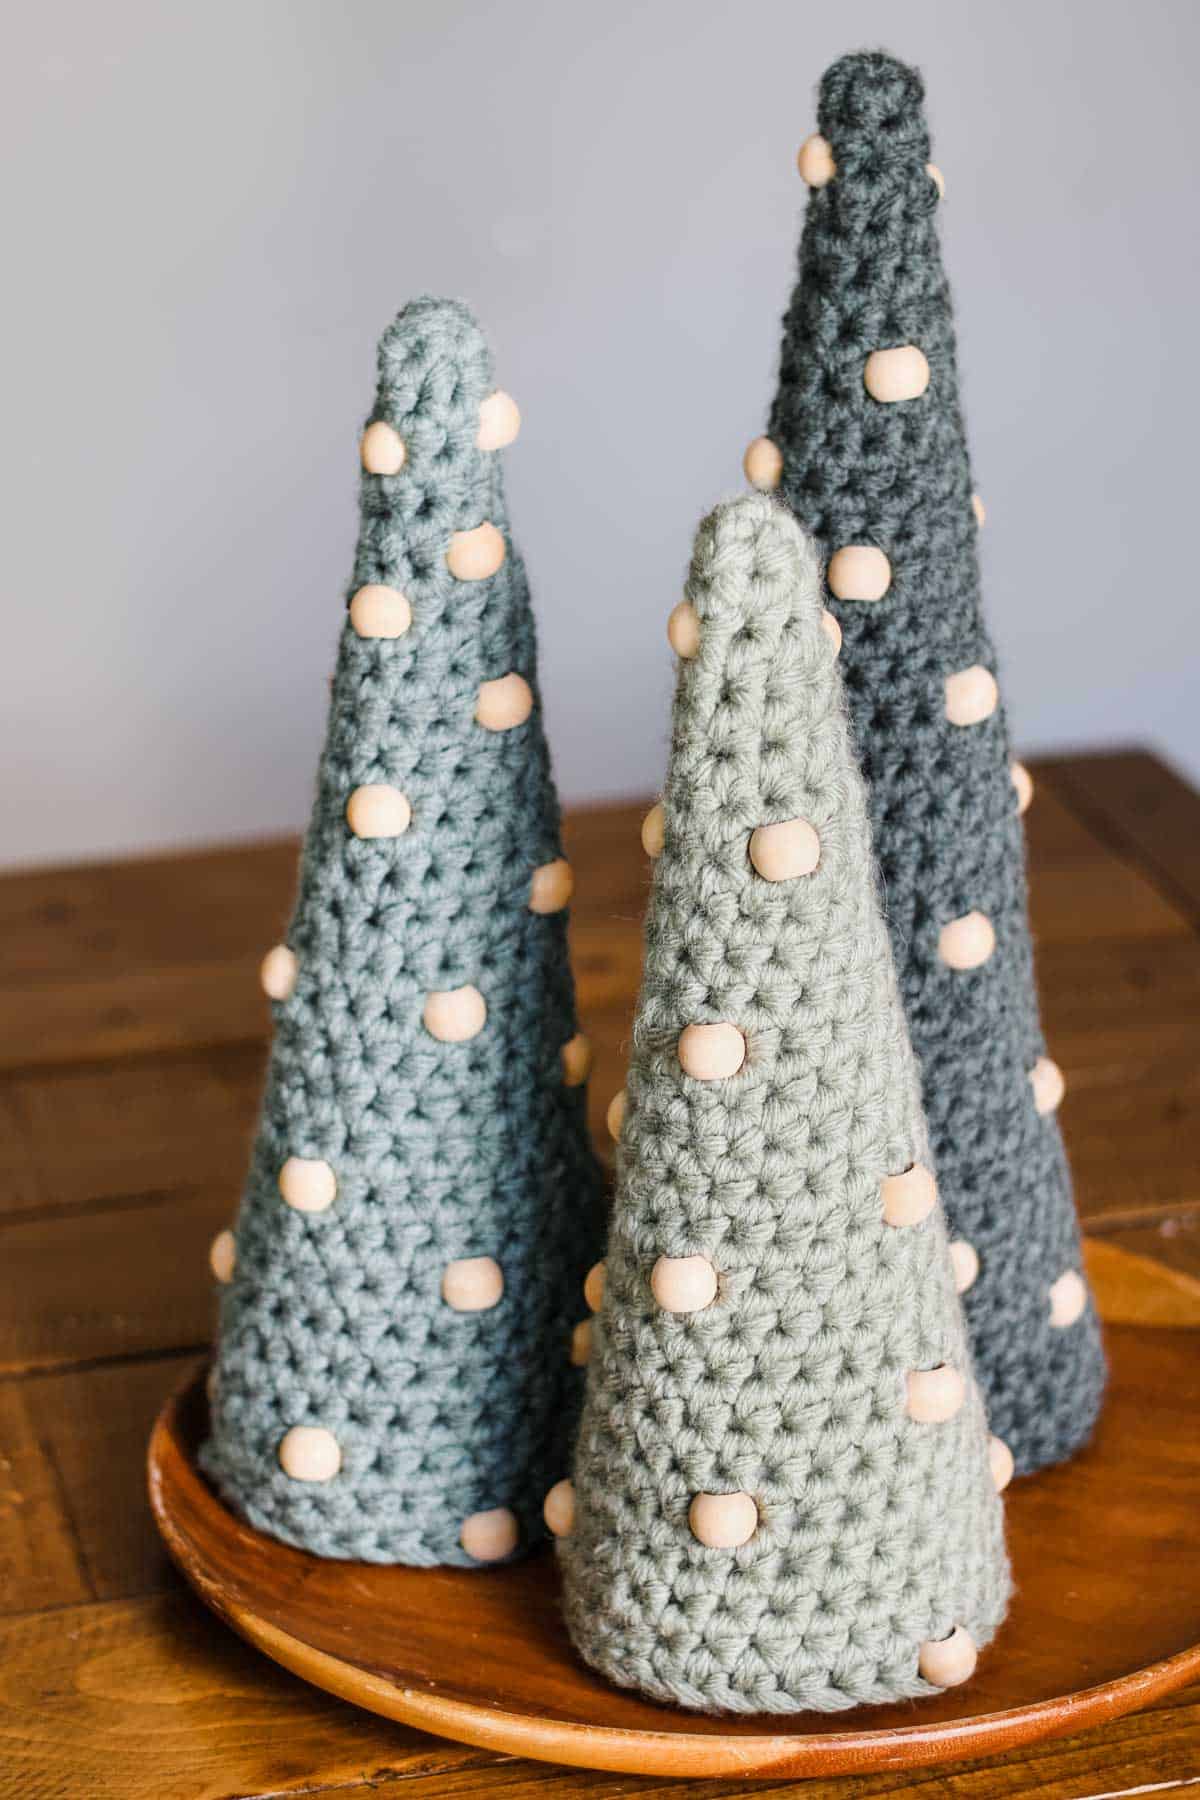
[
  {"x": 782, "y": 1494},
  {"x": 868, "y": 447},
  {"x": 393, "y": 1379}
]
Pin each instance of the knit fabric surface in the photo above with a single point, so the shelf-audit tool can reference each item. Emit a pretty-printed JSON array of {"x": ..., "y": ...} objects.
[
  {"x": 874, "y": 1533},
  {"x": 441, "y": 1150},
  {"x": 895, "y": 475}
]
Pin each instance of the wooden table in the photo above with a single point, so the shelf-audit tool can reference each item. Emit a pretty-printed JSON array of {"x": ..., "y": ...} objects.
[{"x": 132, "y": 1038}]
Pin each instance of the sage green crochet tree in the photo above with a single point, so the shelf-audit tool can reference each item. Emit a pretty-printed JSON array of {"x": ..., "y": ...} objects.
[
  {"x": 784, "y": 1495},
  {"x": 394, "y": 1379}
]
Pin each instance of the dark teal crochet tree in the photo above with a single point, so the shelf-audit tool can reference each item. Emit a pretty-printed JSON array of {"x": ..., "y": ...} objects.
[
  {"x": 394, "y": 1379},
  {"x": 866, "y": 437}
]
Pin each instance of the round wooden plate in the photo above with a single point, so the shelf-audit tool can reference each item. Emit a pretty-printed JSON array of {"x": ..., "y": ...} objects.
[{"x": 1106, "y": 1615}]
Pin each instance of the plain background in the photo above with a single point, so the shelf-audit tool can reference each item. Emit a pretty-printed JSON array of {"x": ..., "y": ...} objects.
[{"x": 212, "y": 210}]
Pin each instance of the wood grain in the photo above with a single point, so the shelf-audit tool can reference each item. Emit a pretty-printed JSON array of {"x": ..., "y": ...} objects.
[{"x": 1138, "y": 805}]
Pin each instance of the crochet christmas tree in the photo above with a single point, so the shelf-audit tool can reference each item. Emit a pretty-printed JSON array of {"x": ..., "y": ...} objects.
[
  {"x": 393, "y": 1380},
  {"x": 867, "y": 445},
  {"x": 784, "y": 1495}
]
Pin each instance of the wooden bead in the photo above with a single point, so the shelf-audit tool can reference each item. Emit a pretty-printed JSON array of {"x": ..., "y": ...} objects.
[
  {"x": 593, "y": 1285},
  {"x": 581, "y": 1343},
  {"x": 310, "y": 1453},
  {"x": 490, "y": 1536},
  {"x": 946, "y": 1661},
  {"x": 307, "y": 1184},
  {"x": 382, "y": 449},
  {"x": 723, "y": 1521},
  {"x": 938, "y": 179},
  {"x": 1000, "y": 1460},
  {"x": 472, "y": 1284},
  {"x": 614, "y": 1118},
  {"x": 964, "y": 1264},
  {"x": 558, "y": 1508},
  {"x": 763, "y": 464},
  {"x": 814, "y": 159},
  {"x": 211, "y": 1384},
  {"x": 474, "y": 555},
  {"x": 785, "y": 851},
  {"x": 499, "y": 421},
  {"x": 971, "y": 695},
  {"x": 222, "y": 1256},
  {"x": 576, "y": 1060},
  {"x": 277, "y": 972},
  {"x": 683, "y": 1284},
  {"x": 832, "y": 629},
  {"x": 551, "y": 886},
  {"x": 1022, "y": 781},
  {"x": 378, "y": 811},
  {"x": 683, "y": 630},
  {"x": 979, "y": 509},
  {"x": 654, "y": 830},
  {"x": 934, "y": 1395},
  {"x": 859, "y": 572},
  {"x": 908, "y": 1197},
  {"x": 380, "y": 612},
  {"x": 967, "y": 942},
  {"x": 1046, "y": 1079},
  {"x": 900, "y": 374},
  {"x": 503, "y": 704},
  {"x": 711, "y": 1052},
  {"x": 452, "y": 1015},
  {"x": 1068, "y": 1299}
]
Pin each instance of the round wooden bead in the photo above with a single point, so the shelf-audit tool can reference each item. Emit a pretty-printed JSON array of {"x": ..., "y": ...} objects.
[
  {"x": 979, "y": 509},
  {"x": 1000, "y": 1460},
  {"x": 683, "y": 1284},
  {"x": 378, "y": 811},
  {"x": 452, "y": 1015},
  {"x": 499, "y": 421},
  {"x": 908, "y": 1197},
  {"x": 277, "y": 972},
  {"x": 711, "y": 1052},
  {"x": 971, "y": 696},
  {"x": 490, "y": 1536},
  {"x": 222, "y": 1256},
  {"x": 472, "y": 1284},
  {"x": 558, "y": 1508},
  {"x": 859, "y": 572},
  {"x": 946, "y": 1661},
  {"x": 763, "y": 464},
  {"x": 504, "y": 703},
  {"x": 1022, "y": 781},
  {"x": 1068, "y": 1298},
  {"x": 814, "y": 159},
  {"x": 964, "y": 1264},
  {"x": 551, "y": 886},
  {"x": 576, "y": 1060},
  {"x": 938, "y": 179},
  {"x": 967, "y": 942},
  {"x": 900, "y": 374},
  {"x": 474, "y": 555},
  {"x": 310, "y": 1453},
  {"x": 723, "y": 1521},
  {"x": 581, "y": 1343},
  {"x": 382, "y": 449},
  {"x": 380, "y": 612},
  {"x": 1046, "y": 1079},
  {"x": 614, "y": 1118},
  {"x": 307, "y": 1184},
  {"x": 593, "y": 1285},
  {"x": 653, "y": 830},
  {"x": 934, "y": 1395},
  {"x": 784, "y": 851},
  {"x": 683, "y": 630},
  {"x": 832, "y": 629}
]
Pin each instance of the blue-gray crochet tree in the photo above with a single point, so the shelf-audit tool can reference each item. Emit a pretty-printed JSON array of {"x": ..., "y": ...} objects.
[
  {"x": 867, "y": 443},
  {"x": 394, "y": 1380}
]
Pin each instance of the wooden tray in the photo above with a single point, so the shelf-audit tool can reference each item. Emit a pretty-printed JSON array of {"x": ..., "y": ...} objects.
[{"x": 1106, "y": 1615}]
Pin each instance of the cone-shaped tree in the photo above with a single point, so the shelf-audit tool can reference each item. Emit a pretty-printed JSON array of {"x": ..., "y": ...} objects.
[
  {"x": 393, "y": 1380},
  {"x": 783, "y": 1494},
  {"x": 868, "y": 447}
]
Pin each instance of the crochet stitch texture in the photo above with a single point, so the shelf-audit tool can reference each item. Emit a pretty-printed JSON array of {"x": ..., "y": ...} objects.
[
  {"x": 875, "y": 1533},
  {"x": 440, "y": 1150},
  {"x": 894, "y": 475}
]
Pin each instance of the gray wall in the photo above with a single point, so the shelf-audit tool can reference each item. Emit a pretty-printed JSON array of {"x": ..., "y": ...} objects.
[{"x": 214, "y": 208}]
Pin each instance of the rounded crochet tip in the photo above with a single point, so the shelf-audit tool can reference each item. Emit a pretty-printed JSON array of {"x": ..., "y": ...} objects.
[
  {"x": 751, "y": 553},
  {"x": 434, "y": 351},
  {"x": 871, "y": 97}
]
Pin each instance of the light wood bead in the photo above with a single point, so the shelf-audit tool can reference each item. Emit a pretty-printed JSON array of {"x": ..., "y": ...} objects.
[
  {"x": 683, "y": 630},
  {"x": 964, "y": 1265},
  {"x": 504, "y": 703},
  {"x": 832, "y": 629},
  {"x": 908, "y": 1197},
  {"x": 859, "y": 572},
  {"x": 946, "y": 1662},
  {"x": 452, "y": 1015},
  {"x": 900, "y": 374},
  {"x": 938, "y": 179},
  {"x": 1068, "y": 1299},
  {"x": 971, "y": 695},
  {"x": 654, "y": 830},
  {"x": 222, "y": 1256},
  {"x": 310, "y": 1453},
  {"x": 711, "y": 1052},
  {"x": 551, "y": 886},
  {"x": 558, "y": 1508},
  {"x": 499, "y": 421},
  {"x": 1022, "y": 782},
  {"x": 277, "y": 973},
  {"x": 614, "y": 1118},
  {"x": 979, "y": 509},
  {"x": 490, "y": 1536},
  {"x": 576, "y": 1060},
  {"x": 593, "y": 1285},
  {"x": 378, "y": 811},
  {"x": 1046, "y": 1079},
  {"x": 763, "y": 464},
  {"x": 212, "y": 1384},
  {"x": 474, "y": 555},
  {"x": 472, "y": 1284},
  {"x": 581, "y": 1343},
  {"x": 967, "y": 942},
  {"x": 382, "y": 449},
  {"x": 934, "y": 1395},
  {"x": 683, "y": 1284},
  {"x": 1000, "y": 1461},
  {"x": 723, "y": 1521},
  {"x": 308, "y": 1184},
  {"x": 814, "y": 159},
  {"x": 380, "y": 612},
  {"x": 785, "y": 851}
]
